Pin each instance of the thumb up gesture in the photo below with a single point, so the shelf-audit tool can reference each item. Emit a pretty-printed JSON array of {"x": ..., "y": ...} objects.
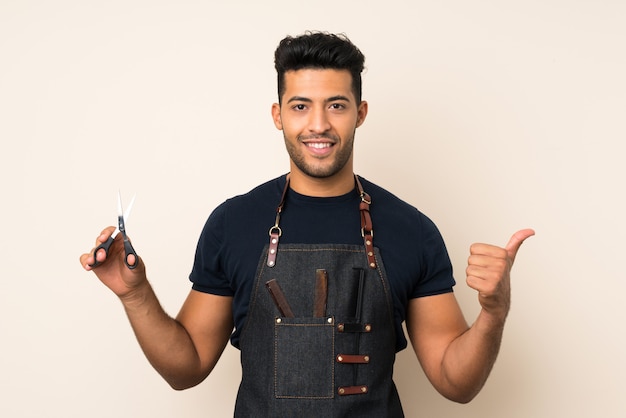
[{"x": 489, "y": 272}]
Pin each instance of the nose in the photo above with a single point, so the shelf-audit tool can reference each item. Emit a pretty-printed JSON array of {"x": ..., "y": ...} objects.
[{"x": 318, "y": 120}]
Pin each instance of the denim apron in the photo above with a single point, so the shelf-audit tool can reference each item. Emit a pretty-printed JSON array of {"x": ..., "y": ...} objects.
[{"x": 319, "y": 338}]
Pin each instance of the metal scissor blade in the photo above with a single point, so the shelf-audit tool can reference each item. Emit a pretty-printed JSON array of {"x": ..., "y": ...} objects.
[
  {"x": 129, "y": 208},
  {"x": 121, "y": 220},
  {"x": 120, "y": 210}
]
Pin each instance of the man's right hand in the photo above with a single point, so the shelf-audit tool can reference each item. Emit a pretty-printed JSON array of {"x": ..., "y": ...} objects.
[{"x": 112, "y": 270}]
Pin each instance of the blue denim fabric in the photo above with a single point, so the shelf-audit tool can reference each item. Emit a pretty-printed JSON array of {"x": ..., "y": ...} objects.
[{"x": 290, "y": 366}]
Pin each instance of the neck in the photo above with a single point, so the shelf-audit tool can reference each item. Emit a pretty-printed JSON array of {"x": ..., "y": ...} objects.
[{"x": 337, "y": 185}]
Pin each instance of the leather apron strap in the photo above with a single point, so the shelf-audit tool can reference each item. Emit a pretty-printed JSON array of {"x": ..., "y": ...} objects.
[{"x": 367, "y": 229}]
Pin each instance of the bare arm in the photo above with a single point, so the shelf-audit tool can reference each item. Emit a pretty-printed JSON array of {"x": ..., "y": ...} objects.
[
  {"x": 183, "y": 350},
  {"x": 457, "y": 359}
]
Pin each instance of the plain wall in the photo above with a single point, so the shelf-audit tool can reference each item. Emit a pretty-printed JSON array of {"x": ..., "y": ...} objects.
[{"x": 489, "y": 116}]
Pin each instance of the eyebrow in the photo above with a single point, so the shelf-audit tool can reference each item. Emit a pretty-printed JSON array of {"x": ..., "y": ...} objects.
[{"x": 308, "y": 100}]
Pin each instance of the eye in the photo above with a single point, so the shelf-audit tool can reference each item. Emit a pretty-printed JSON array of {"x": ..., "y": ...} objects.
[
  {"x": 299, "y": 106},
  {"x": 337, "y": 106}
]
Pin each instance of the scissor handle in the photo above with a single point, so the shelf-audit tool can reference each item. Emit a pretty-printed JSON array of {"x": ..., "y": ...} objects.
[
  {"x": 128, "y": 250},
  {"x": 104, "y": 246}
]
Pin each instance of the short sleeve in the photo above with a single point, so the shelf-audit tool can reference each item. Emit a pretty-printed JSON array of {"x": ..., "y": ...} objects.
[
  {"x": 436, "y": 276},
  {"x": 207, "y": 274}
]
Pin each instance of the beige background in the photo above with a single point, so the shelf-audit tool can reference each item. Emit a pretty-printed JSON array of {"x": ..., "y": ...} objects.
[{"x": 488, "y": 115}]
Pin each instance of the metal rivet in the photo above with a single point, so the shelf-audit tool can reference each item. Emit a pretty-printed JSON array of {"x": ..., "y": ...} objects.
[
  {"x": 368, "y": 328},
  {"x": 339, "y": 359},
  {"x": 372, "y": 265},
  {"x": 370, "y": 253},
  {"x": 272, "y": 251},
  {"x": 274, "y": 241},
  {"x": 363, "y": 389},
  {"x": 340, "y": 327},
  {"x": 330, "y": 320},
  {"x": 278, "y": 320},
  {"x": 341, "y": 391},
  {"x": 271, "y": 263},
  {"x": 368, "y": 242},
  {"x": 366, "y": 359}
]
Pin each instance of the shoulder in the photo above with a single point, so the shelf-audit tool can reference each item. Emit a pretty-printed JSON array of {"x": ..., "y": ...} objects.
[
  {"x": 384, "y": 196},
  {"x": 396, "y": 221},
  {"x": 267, "y": 190},
  {"x": 262, "y": 196},
  {"x": 238, "y": 213},
  {"x": 386, "y": 204}
]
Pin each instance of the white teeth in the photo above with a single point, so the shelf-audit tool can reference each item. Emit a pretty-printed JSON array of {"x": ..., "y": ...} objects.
[{"x": 318, "y": 145}]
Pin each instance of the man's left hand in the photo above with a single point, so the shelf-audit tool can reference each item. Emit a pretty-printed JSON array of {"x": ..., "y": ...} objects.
[{"x": 489, "y": 272}]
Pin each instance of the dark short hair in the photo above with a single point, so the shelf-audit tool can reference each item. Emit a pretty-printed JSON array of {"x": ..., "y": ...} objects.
[{"x": 319, "y": 50}]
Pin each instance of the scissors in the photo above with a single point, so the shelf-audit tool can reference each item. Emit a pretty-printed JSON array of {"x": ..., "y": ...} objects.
[{"x": 122, "y": 216}]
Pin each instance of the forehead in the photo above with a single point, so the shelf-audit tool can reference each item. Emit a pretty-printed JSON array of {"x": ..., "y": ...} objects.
[{"x": 313, "y": 82}]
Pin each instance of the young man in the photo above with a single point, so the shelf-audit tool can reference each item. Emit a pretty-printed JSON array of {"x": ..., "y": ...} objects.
[{"x": 317, "y": 304}]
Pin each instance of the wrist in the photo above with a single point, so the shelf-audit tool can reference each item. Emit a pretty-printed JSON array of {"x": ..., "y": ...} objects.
[
  {"x": 491, "y": 321},
  {"x": 137, "y": 295}
]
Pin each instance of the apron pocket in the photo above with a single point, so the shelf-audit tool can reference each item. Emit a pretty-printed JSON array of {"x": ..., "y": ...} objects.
[{"x": 304, "y": 358}]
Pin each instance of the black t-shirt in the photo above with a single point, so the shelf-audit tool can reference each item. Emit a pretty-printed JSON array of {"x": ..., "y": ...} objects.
[{"x": 232, "y": 241}]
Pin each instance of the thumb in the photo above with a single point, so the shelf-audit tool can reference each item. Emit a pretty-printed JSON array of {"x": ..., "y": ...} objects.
[{"x": 516, "y": 241}]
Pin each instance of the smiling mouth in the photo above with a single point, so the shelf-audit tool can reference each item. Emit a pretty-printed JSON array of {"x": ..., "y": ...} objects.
[
  {"x": 318, "y": 141},
  {"x": 318, "y": 145}
]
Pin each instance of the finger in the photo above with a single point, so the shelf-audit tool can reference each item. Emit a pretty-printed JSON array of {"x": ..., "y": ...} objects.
[
  {"x": 488, "y": 250},
  {"x": 483, "y": 282},
  {"x": 488, "y": 262},
  {"x": 86, "y": 260},
  {"x": 91, "y": 261},
  {"x": 100, "y": 255},
  {"x": 131, "y": 260},
  {"x": 104, "y": 235},
  {"x": 516, "y": 241}
]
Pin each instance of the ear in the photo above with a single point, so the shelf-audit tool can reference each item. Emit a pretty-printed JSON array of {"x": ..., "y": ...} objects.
[
  {"x": 361, "y": 113},
  {"x": 276, "y": 116}
]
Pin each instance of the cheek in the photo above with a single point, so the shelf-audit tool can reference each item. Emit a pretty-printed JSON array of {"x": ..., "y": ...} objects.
[
  {"x": 287, "y": 131},
  {"x": 347, "y": 129},
  {"x": 290, "y": 127}
]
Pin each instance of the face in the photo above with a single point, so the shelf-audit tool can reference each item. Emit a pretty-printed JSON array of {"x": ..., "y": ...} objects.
[{"x": 318, "y": 117}]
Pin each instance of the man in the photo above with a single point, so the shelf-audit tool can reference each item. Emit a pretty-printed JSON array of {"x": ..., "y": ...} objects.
[{"x": 317, "y": 304}]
